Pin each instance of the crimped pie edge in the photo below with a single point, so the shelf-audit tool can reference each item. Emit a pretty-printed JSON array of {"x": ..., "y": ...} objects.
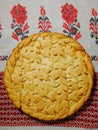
[{"x": 11, "y": 63}]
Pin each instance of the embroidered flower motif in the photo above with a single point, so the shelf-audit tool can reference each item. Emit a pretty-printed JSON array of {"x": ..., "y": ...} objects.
[
  {"x": 19, "y": 23},
  {"x": 19, "y": 14},
  {"x": 69, "y": 13},
  {"x": 71, "y": 24},
  {"x": 94, "y": 12},
  {"x": 42, "y": 10},
  {"x": 44, "y": 23},
  {"x": 93, "y": 26}
]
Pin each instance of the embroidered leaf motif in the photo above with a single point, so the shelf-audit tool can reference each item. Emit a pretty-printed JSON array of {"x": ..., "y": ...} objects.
[
  {"x": 1, "y": 30},
  {"x": 25, "y": 27},
  {"x": 1, "y": 27},
  {"x": 92, "y": 20},
  {"x": 15, "y": 36},
  {"x": 78, "y": 35},
  {"x": 92, "y": 34},
  {"x": 66, "y": 26},
  {"x": 78, "y": 24}
]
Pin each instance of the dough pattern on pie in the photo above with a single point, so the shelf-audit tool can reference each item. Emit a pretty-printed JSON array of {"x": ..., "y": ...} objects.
[{"x": 49, "y": 76}]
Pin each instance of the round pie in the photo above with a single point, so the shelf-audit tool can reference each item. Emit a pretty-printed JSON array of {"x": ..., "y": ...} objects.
[{"x": 49, "y": 76}]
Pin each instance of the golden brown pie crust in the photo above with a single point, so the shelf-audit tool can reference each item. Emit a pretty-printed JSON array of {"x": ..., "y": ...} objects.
[{"x": 49, "y": 76}]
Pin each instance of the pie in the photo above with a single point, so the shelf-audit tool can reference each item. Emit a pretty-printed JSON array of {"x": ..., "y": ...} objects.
[{"x": 49, "y": 76}]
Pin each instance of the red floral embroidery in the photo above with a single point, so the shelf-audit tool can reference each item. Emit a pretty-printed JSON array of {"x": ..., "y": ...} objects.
[
  {"x": 19, "y": 14},
  {"x": 1, "y": 30},
  {"x": 42, "y": 10},
  {"x": 71, "y": 24},
  {"x": 0, "y": 26},
  {"x": 94, "y": 12},
  {"x": 15, "y": 36},
  {"x": 19, "y": 23},
  {"x": 25, "y": 27},
  {"x": 93, "y": 26},
  {"x": 43, "y": 24},
  {"x": 69, "y": 13}
]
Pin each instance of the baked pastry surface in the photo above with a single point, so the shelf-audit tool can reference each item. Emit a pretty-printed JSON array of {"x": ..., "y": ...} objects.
[{"x": 49, "y": 76}]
